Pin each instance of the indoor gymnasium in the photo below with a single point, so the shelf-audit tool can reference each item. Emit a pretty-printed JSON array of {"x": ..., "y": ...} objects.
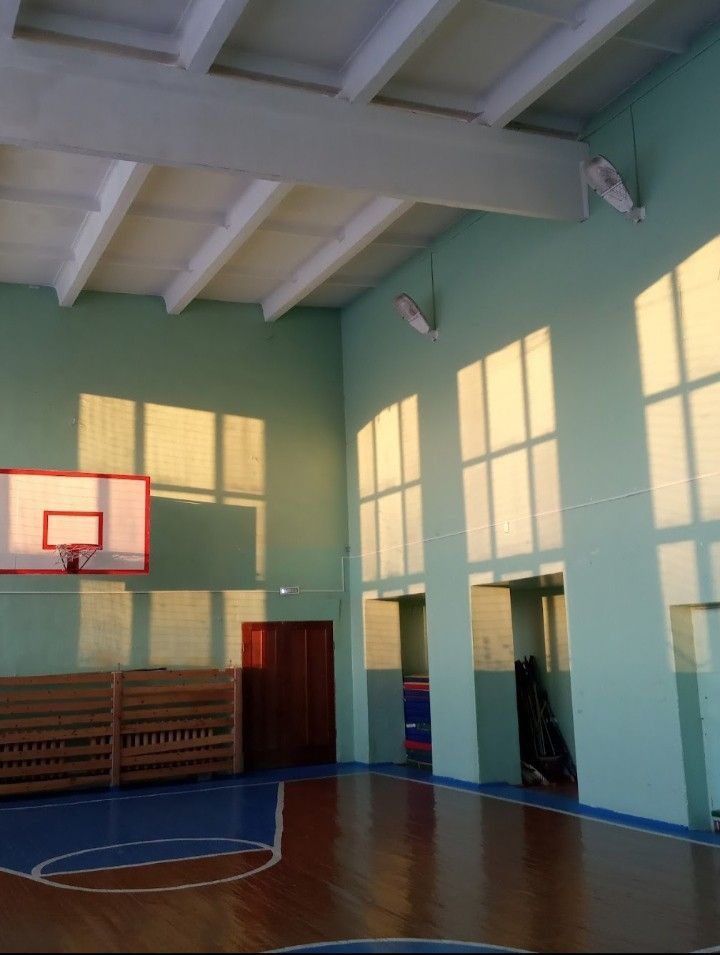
[{"x": 359, "y": 476}]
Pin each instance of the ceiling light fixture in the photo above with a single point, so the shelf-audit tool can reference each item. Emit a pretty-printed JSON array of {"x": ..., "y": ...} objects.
[
  {"x": 604, "y": 180},
  {"x": 409, "y": 309}
]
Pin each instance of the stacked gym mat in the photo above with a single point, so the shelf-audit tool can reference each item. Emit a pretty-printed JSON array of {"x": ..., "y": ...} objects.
[{"x": 418, "y": 733}]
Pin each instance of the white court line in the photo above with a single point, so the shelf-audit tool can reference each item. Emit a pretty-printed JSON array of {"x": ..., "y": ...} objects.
[
  {"x": 258, "y": 847},
  {"x": 183, "y": 792},
  {"x": 562, "y": 812},
  {"x": 407, "y": 941}
]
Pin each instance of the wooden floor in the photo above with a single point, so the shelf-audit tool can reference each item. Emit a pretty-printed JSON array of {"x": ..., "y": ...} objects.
[{"x": 365, "y": 856}]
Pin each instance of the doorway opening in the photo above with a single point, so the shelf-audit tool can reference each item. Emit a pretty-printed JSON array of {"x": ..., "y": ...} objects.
[
  {"x": 288, "y": 694},
  {"x": 396, "y": 657},
  {"x": 520, "y": 635}
]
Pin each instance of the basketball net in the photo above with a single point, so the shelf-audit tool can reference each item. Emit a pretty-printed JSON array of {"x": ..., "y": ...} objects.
[{"x": 75, "y": 556}]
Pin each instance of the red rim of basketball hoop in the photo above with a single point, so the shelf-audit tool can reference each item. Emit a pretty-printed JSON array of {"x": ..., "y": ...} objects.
[{"x": 75, "y": 556}]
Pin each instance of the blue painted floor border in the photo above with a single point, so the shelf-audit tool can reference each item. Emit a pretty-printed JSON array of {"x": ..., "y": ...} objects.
[
  {"x": 538, "y": 798},
  {"x": 542, "y": 799}
]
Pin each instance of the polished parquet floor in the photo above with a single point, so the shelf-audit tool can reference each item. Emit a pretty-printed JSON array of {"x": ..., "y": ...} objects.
[{"x": 273, "y": 862}]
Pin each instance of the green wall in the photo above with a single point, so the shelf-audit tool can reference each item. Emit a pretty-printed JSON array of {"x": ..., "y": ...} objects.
[
  {"x": 220, "y": 409},
  {"x": 565, "y": 422}
]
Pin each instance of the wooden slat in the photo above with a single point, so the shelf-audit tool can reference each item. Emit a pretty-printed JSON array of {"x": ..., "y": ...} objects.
[
  {"x": 136, "y": 676},
  {"x": 80, "y": 706},
  {"x": 159, "y": 726},
  {"x": 50, "y": 769},
  {"x": 43, "y": 736},
  {"x": 47, "y": 752},
  {"x": 69, "y": 694},
  {"x": 221, "y": 766},
  {"x": 216, "y": 709},
  {"x": 60, "y": 678},
  {"x": 31, "y": 722},
  {"x": 80, "y": 782},
  {"x": 157, "y": 694},
  {"x": 200, "y": 752},
  {"x": 177, "y": 746}
]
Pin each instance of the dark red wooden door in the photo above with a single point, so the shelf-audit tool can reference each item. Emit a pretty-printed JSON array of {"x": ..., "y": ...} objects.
[{"x": 288, "y": 694}]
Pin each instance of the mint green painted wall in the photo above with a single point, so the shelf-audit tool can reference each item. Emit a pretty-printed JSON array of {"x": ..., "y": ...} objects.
[
  {"x": 186, "y": 396},
  {"x": 623, "y": 497}
]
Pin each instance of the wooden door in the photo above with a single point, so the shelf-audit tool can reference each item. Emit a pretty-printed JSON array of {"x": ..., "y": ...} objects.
[{"x": 288, "y": 694}]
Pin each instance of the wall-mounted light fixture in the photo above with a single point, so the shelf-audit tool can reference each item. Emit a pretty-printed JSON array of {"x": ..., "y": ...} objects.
[{"x": 604, "y": 180}]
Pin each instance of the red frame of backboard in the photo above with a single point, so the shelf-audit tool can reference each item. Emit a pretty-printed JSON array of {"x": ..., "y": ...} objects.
[
  {"x": 46, "y": 527},
  {"x": 87, "y": 474}
]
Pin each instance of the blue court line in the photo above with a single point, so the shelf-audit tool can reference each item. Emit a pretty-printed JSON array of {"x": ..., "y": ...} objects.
[{"x": 553, "y": 803}]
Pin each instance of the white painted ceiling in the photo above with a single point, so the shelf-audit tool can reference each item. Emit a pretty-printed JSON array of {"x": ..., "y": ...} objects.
[{"x": 55, "y": 216}]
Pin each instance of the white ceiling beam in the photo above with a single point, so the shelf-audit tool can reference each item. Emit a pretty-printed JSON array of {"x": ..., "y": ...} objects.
[
  {"x": 121, "y": 186},
  {"x": 399, "y": 34},
  {"x": 246, "y": 216},
  {"x": 359, "y": 232},
  {"x": 204, "y": 30},
  {"x": 555, "y": 56},
  {"x": 70, "y": 100},
  {"x": 9, "y": 10}
]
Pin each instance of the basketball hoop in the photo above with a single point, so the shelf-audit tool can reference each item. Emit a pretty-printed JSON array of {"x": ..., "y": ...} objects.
[{"x": 75, "y": 556}]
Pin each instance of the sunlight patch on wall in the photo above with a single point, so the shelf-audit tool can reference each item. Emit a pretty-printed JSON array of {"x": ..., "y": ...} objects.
[
  {"x": 657, "y": 337},
  {"x": 705, "y": 425},
  {"x": 180, "y": 629},
  {"x": 668, "y": 460},
  {"x": 557, "y": 648},
  {"x": 106, "y": 435},
  {"x": 382, "y": 635},
  {"x": 243, "y": 450},
  {"x": 698, "y": 282},
  {"x": 180, "y": 446},
  {"x": 239, "y": 607},
  {"x": 492, "y": 632},
  {"x": 678, "y": 566},
  {"x": 679, "y": 345},
  {"x": 511, "y": 474},
  {"x": 391, "y": 521},
  {"x": 105, "y": 634}
]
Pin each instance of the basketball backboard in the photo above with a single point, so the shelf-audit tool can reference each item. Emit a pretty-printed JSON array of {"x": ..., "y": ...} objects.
[{"x": 106, "y": 514}]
